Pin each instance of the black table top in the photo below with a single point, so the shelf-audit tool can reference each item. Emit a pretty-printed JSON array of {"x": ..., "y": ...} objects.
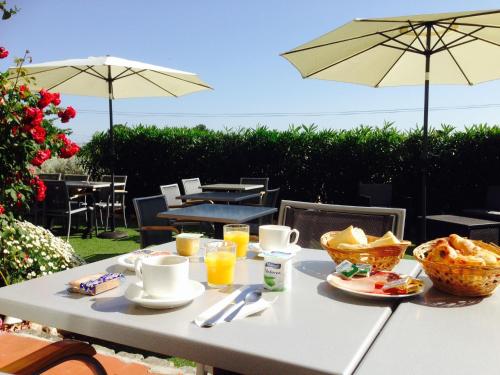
[
  {"x": 221, "y": 196},
  {"x": 463, "y": 220},
  {"x": 218, "y": 213}
]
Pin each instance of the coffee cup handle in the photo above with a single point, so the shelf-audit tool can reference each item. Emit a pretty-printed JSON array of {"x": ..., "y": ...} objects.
[
  {"x": 296, "y": 239},
  {"x": 138, "y": 268}
]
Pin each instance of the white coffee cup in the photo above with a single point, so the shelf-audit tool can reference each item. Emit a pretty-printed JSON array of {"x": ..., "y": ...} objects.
[
  {"x": 163, "y": 275},
  {"x": 276, "y": 237}
]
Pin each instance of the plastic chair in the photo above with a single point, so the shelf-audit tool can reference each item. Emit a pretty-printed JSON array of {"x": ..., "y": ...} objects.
[
  {"x": 52, "y": 355},
  {"x": 153, "y": 230},
  {"x": 191, "y": 185},
  {"x": 312, "y": 220},
  {"x": 120, "y": 194}
]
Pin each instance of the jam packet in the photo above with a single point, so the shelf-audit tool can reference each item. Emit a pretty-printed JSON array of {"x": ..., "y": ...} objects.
[
  {"x": 405, "y": 285},
  {"x": 346, "y": 269}
]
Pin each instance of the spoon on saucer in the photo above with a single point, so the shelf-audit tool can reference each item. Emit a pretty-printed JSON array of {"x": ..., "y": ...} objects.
[{"x": 250, "y": 298}]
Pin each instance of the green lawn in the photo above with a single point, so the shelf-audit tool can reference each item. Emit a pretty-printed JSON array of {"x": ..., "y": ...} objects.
[{"x": 94, "y": 249}]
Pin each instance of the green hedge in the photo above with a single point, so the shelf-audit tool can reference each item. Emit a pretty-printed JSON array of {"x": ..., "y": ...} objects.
[{"x": 306, "y": 163}]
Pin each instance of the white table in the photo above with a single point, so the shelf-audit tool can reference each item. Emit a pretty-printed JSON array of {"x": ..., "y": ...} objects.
[
  {"x": 231, "y": 187},
  {"x": 438, "y": 334},
  {"x": 312, "y": 329}
]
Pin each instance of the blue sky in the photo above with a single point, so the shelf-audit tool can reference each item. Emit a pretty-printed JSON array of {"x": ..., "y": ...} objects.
[{"x": 234, "y": 46}]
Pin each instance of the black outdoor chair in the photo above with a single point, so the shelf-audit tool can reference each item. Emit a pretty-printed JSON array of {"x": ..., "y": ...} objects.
[
  {"x": 312, "y": 220},
  {"x": 153, "y": 230},
  {"x": 491, "y": 209},
  {"x": 76, "y": 177},
  {"x": 270, "y": 199},
  {"x": 378, "y": 195},
  {"x": 58, "y": 204},
  {"x": 256, "y": 181}
]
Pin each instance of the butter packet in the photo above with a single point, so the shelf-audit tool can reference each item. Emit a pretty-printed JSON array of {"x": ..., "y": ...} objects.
[
  {"x": 346, "y": 269},
  {"x": 364, "y": 270},
  {"x": 95, "y": 284}
]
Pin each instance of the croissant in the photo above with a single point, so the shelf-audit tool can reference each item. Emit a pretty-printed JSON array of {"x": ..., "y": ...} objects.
[
  {"x": 463, "y": 245},
  {"x": 442, "y": 252}
]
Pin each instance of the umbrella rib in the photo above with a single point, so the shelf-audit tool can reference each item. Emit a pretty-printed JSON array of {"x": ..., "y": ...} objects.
[
  {"x": 341, "y": 41},
  {"x": 155, "y": 84},
  {"x": 122, "y": 74},
  {"x": 165, "y": 74},
  {"x": 440, "y": 37},
  {"x": 477, "y": 37},
  {"x": 454, "y": 43},
  {"x": 459, "y": 67},
  {"x": 96, "y": 73},
  {"x": 352, "y": 56},
  {"x": 397, "y": 60},
  {"x": 474, "y": 24},
  {"x": 67, "y": 79},
  {"x": 415, "y": 32},
  {"x": 406, "y": 45}
]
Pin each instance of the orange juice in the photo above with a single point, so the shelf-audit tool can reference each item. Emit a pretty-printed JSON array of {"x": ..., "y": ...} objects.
[
  {"x": 220, "y": 267},
  {"x": 241, "y": 239}
]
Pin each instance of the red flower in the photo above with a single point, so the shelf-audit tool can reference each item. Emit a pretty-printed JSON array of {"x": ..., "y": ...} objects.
[
  {"x": 68, "y": 150},
  {"x": 45, "y": 99},
  {"x": 14, "y": 130},
  {"x": 33, "y": 116},
  {"x": 2, "y": 209},
  {"x": 56, "y": 98},
  {"x": 3, "y": 53},
  {"x": 23, "y": 91},
  {"x": 38, "y": 133},
  {"x": 41, "y": 189},
  {"x": 68, "y": 114},
  {"x": 40, "y": 157}
]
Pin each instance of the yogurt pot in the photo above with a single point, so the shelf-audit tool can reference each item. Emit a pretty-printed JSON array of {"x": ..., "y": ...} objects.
[
  {"x": 278, "y": 271},
  {"x": 188, "y": 244}
]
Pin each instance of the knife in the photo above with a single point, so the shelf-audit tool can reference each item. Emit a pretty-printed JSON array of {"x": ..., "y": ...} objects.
[{"x": 213, "y": 315}]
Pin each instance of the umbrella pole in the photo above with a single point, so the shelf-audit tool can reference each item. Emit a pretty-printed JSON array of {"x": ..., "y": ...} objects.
[
  {"x": 425, "y": 151},
  {"x": 113, "y": 233}
]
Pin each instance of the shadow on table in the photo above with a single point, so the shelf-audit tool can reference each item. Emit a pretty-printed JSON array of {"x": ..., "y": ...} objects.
[
  {"x": 319, "y": 269},
  {"x": 435, "y": 298},
  {"x": 122, "y": 305}
]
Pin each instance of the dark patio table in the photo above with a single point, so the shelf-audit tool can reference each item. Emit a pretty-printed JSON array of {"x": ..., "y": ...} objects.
[
  {"x": 231, "y": 187},
  {"x": 221, "y": 196},
  {"x": 219, "y": 214}
]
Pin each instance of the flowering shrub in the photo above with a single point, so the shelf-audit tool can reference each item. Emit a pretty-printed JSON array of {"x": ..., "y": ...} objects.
[
  {"x": 29, "y": 138},
  {"x": 28, "y": 251}
]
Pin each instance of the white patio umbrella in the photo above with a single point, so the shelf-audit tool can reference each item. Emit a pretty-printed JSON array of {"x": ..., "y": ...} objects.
[
  {"x": 112, "y": 78},
  {"x": 446, "y": 48}
]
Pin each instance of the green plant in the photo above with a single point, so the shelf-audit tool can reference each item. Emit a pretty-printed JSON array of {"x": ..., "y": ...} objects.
[
  {"x": 29, "y": 251},
  {"x": 65, "y": 166},
  {"x": 29, "y": 138},
  {"x": 308, "y": 164}
]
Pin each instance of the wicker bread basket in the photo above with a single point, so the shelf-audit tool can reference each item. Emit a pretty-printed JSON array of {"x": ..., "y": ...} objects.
[
  {"x": 460, "y": 280},
  {"x": 381, "y": 258}
]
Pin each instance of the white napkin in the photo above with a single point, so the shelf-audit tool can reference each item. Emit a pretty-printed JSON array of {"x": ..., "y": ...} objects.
[{"x": 247, "y": 310}]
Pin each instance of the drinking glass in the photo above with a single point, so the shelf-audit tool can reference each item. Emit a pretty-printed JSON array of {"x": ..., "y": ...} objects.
[
  {"x": 240, "y": 235},
  {"x": 220, "y": 258}
]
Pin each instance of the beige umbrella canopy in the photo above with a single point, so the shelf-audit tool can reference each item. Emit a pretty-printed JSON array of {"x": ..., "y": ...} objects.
[
  {"x": 446, "y": 48},
  {"x": 112, "y": 78}
]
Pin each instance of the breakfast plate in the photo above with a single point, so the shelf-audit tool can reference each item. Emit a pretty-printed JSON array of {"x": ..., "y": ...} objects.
[
  {"x": 128, "y": 260},
  {"x": 136, "y": 294},
  {"x": 349, "y": 286}
]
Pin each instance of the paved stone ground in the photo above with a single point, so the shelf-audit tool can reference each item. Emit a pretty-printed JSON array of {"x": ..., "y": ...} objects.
[{"x": 19, "y": 339}]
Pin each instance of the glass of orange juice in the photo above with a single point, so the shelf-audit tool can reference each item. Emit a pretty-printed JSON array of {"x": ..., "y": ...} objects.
[
  {"x": 220, "y": 258},
  {"x": 240, "y": 235}
]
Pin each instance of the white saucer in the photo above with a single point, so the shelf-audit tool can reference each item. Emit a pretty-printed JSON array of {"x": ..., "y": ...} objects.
[
  {"x": 336, "y": 281},
  {"x": 136, "y": 294},
  {"x": 292, "y": 249}
]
